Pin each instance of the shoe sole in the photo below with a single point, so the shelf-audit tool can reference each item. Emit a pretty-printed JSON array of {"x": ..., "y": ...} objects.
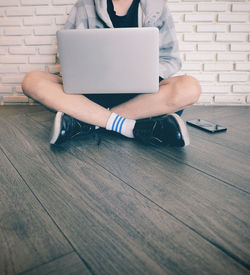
[
  {"x": 56, "y": 128},
  {"x": 183, "y": 129}
]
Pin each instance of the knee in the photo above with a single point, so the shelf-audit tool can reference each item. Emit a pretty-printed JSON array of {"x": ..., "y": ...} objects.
[
  {"x": 184, "y": 90},
  {"x": 31, "y": 83},
  {"x": 190, "y": 87}
]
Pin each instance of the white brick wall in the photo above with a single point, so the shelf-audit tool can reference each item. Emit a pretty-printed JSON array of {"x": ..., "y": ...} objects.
[{"x": 214, "y": 37}]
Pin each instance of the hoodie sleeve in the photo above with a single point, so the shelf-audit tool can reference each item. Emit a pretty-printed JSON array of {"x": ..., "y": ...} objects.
[
  {"x": 77, "y": 18},
  {"x": 71, "y": 20},
  {"x": 170, "y": 62}
]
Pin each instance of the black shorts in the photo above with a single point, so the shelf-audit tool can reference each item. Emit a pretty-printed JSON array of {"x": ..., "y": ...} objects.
[{"x": 112, "y": 100}]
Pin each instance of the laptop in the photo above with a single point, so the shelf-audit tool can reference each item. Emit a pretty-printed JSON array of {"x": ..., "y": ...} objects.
[{"x": 99, "y": 61}]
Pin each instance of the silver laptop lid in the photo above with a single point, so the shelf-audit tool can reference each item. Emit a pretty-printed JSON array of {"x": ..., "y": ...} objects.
[{"x": 124, "y": 60}]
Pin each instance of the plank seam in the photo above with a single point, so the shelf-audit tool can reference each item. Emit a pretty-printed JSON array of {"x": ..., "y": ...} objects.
[
  {"x": 218, "y": 246},
  {"x": 46, "y": 211},
  {"x": 197, "y": 169},
  {"x": 213, "y": 243},
  {"x": 45, "y": 263}
]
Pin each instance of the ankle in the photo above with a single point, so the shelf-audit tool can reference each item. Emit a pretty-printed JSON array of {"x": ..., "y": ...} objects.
[{"x": 121, "y": 125}]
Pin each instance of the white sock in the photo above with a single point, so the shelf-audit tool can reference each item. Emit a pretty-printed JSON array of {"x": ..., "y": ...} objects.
[{"x": 121, "y": 125}]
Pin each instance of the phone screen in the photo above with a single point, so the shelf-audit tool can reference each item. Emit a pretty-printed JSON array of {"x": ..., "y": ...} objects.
[{"x": 206, "y": 125}]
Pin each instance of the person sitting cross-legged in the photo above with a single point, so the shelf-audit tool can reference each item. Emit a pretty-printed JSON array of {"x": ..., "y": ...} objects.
[{"x": 149, "y": 118}]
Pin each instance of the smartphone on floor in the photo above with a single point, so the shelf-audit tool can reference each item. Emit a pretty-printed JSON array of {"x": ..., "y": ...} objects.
[{"x": 207, "y": 126}]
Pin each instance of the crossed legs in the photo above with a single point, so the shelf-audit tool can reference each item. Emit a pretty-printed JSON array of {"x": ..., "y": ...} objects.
[{"x": 174, "y": 94}]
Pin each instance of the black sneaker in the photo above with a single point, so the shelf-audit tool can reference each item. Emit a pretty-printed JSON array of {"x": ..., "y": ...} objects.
[
  {"x": 66, "y": 127},
  {"x": 167, "y": 130}
]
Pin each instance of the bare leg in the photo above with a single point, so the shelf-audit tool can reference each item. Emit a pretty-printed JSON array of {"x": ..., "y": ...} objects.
[
  {"x": 174, "y": 94},
  {"x": 48, "y": 90}
]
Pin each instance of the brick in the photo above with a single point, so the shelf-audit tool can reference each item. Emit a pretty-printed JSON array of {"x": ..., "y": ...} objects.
[
  {"x": 68, "y": 9},
  {"x": 3, "y": 50},
  {"x": 229, "y": 99},
  {"x": 215, "y": 89},
  {"x": 248, "y": 99},
  {"x": 231, "y": 37},
  {"x": 16, "y": 99},
  {"x": 197, "y": 17},
  {"x": 8, "y": 3},
  {"x": 48, "y": 50},
  {"x": 1, "y": 12},
  {"x": 22, "y": 50},
  {"x": 240, "y": 28},
  {"x": 6, "y": 41},
  {"x": 28, "y": 68},
  {"x": 50, "y": 11},
  {"x": 211, "y": 28},
  {"x": 34, "y": 2},
  {"x": 231, "y": 17},
  {"x": 61, "y": 20},
  {"x": 40, "y": 40},
  {"x": 10, "y": 21},
  {"x": 8, "y": 69},
  {"x": 12, "y": 59},
  {"x": 199, "y": 56},
  {"x": 17, "y": 31},
  {"x": 63, "y": 2},
  {"x": 177, "y": 17},
  {"x": 205, "y": 99},
  {"x": 205, "y": 77},
  {"x": 240, "y": 47},
  {"x": 212, "y": 47},
  {"x": 20, "y": 11},
  {"x": 33, "y": 21},
  {"x": 231, "y": 56},
  {"x": 187, "y": 47},
  {"x": 198, "y": 37},
  {"x": 212, "y": 7},
  {"x": 42, "y": 59},
  {"x": 242, "y": 67},
  {"x": 241, "y": 88},
  {"x": 10, "y": 79},
  {"x": 183, "y": 28},
  {"x": 191, "y": 66},
  {"x": 233, "y": 77},
  {"x": 241, "y": 7},
  {"x": 181, "y": 8},
  {"x": 45, "y": 30},
  {"x": 5, "y": 89},
  {"x": 179, "y": 36},
  {"x": 218, "y": 66}
]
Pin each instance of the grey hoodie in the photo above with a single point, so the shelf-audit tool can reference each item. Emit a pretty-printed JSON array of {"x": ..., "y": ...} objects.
[{"x": 91, "y": 14}]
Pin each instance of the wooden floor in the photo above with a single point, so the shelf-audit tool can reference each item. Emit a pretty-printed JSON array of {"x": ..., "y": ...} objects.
[{"x": 121, "y": 207}]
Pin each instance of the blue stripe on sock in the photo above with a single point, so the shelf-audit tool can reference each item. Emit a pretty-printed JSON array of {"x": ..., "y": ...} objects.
[
  {"x": 113, "y": 125},
  {"x": 117, "y": 124},
  {"x": 120, "y": 130}
]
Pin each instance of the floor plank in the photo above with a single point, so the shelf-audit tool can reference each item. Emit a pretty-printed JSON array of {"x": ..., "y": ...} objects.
[
  {"x": 11, "y": 110},
  {"x": 236, "y": 137},
  {"x": 28, "y": 237},
  {"x": 214, "y": 159},
  {"x": 185, "y": 192},
  {"x": 69, "y": 264},
  {"x": 113, "y": 227}
]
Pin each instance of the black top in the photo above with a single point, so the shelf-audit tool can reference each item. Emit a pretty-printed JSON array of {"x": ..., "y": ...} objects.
[{"x": 130, "y": 20}]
